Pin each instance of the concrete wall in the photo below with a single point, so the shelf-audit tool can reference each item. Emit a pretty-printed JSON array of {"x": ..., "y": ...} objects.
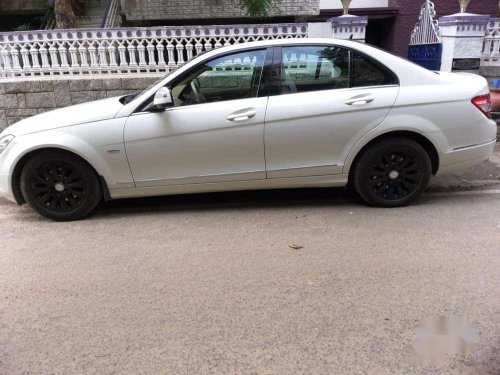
[
  {"x": 140, "y": 10},
  {"x": 21, "y": 99}
]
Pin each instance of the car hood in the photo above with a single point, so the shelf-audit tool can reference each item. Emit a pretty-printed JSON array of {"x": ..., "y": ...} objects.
[{"x": 73, "y": 115}]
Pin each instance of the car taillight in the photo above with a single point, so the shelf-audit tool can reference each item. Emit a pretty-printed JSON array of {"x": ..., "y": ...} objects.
[{"x": 483, "y": 103}]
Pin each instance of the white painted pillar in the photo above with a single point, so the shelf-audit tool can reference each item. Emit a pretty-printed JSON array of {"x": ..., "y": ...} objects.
[
  {"x": 349, "y": 27},
  {"x": 343, "y": 27},
  {"x": 462, "y": 37},
  {"x": 319, "y": 29}
]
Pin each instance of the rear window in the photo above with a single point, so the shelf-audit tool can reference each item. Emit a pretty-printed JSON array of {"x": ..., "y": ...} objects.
[
  {"x": 368, "y": 72},
  {"x": 315, "y": 68}
]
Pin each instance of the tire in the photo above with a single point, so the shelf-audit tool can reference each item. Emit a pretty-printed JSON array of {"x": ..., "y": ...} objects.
[
  {"x": 60, "y": 186},
  {"x": 392, "y": 173}
]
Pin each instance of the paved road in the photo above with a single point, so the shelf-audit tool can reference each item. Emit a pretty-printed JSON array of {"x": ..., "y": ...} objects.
[{"x": 209, "y": 284}]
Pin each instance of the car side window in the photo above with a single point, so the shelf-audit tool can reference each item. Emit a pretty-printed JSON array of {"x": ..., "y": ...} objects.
[
  {"x": 367, "y": 72},
  {"x": 230, "y": 77},
  {"x": 313, "y": 68}
]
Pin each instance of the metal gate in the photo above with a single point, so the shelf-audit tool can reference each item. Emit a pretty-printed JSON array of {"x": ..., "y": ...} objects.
[{"x": 425, "y": 47}]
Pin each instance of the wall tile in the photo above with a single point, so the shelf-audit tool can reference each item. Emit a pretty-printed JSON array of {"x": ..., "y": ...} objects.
[
  {"x": 40, "y": 100},
  {"x": 8, "y": 101},
  {"x": 3, "y": 120},
  {"x": 85, "y": 84},
  {"x": 20, "y": 112},
  {"x": 16, "y": 87},
  {"x": 82, "y": 96},
  {"x": 21, "y": 101},
  {"x": 62, "y": 94}
]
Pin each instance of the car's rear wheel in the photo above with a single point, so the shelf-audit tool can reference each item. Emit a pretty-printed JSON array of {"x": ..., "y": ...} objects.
[
  {"x": 60, "y": 186},
  {"x": 392, "y": 173}
]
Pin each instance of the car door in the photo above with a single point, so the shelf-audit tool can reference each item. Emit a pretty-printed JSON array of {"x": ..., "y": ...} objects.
[
  {"x": 214, "y": 131},
  {"x": 328, "y": 98}
]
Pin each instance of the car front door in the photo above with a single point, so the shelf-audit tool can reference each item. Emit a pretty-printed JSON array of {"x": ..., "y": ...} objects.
[
  {"x": 213, "y": 132},
  {"x": 325, "y": 99}
]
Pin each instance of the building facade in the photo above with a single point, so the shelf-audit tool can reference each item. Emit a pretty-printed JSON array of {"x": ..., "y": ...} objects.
[
  {"x": 146, "y": 12},
  {"x": 390, "y": 22}
]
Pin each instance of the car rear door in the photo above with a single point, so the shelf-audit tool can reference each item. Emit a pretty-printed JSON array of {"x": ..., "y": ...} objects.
[{"x": 322, "y": 101}]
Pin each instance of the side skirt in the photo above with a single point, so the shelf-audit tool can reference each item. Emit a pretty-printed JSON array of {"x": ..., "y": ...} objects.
[{"x": 273, "y": 183}]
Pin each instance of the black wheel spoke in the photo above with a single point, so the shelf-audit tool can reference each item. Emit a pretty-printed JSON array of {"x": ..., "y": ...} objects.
[
  {"x": 43, "y": 199},
  {"x": 40, "y": 189},
  {"x": 399, "y": 190},
  {"x": 78, "y": 186},
  {"x": 71, "y": 200}
]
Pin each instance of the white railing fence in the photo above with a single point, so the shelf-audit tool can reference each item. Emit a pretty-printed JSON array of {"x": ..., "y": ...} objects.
[
  {"x": 491, "y": 49},
  {"x": 123, "y": 50}
]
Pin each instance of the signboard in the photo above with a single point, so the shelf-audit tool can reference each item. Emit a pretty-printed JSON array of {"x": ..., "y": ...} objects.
[{"x": 426, "y": 55}]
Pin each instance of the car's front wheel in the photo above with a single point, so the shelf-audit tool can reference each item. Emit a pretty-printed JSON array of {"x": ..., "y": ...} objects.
[
  {"x": 392, "y": 173},
  {"x": 60, "y": 186}
]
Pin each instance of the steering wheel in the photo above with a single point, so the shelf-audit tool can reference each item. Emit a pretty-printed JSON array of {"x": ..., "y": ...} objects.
[{"x": 195, "y": 87}]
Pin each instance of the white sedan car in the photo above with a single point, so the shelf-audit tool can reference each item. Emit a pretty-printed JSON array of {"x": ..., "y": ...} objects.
[{"x": 260, "y": 115}]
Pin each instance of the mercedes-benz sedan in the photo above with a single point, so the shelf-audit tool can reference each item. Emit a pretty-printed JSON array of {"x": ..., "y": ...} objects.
[{"x": 260, "y": 115}]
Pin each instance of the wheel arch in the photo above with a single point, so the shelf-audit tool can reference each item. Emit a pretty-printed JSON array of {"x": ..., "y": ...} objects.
[
  {"x": 423, "y": 141},
  {"x": 19, "y": 165}
]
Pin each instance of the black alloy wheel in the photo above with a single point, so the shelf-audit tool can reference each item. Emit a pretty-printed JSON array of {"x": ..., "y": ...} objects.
[
  {"x": 392, "y": 173},
  {"x": 60, "y": 186}
]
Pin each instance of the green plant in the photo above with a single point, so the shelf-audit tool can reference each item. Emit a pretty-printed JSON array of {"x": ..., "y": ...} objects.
[{"x": 258, "y": 8}]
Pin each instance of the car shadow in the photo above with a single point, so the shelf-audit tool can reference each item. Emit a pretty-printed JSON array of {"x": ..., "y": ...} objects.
[{"x": 248, "y": 199}]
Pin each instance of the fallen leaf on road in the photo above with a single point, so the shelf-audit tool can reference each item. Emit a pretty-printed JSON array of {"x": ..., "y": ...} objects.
[{"x": 295, "y": 247}]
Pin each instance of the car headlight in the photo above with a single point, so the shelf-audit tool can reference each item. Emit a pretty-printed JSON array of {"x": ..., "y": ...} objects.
[{"x": 4, "y": 142}]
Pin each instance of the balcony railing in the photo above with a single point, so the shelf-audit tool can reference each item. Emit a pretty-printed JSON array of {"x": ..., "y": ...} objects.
[
  {"x": 491, "y": 50},
  {"x": 123, "y": 50}
]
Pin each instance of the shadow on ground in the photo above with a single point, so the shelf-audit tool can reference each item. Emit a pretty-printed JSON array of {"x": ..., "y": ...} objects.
[{"x": 233, "y": 200}]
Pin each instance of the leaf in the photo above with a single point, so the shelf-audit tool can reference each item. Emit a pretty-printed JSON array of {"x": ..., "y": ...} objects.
[{"x": 295, "y": 246}]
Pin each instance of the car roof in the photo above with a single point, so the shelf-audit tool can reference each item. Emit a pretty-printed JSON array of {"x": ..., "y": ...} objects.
[{"x": 287, "y": 41}]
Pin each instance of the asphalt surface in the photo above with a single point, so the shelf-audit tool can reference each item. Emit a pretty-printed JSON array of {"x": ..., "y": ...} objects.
[{"x": 209, "y": 284}]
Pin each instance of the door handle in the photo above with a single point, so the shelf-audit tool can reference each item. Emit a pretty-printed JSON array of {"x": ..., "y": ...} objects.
[
  {"x": 360, "y": 100},
  {"x": 241, "y": 116}
]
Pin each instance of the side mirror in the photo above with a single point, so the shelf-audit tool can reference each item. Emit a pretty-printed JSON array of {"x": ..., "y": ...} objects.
[{"x": 162, "y": 99}]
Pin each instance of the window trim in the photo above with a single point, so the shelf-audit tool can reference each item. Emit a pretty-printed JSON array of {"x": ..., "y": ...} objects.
[{"x": 277, "y": 64}]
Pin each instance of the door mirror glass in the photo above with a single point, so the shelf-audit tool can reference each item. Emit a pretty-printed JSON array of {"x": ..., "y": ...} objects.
[{"x": 162, "y": 99}]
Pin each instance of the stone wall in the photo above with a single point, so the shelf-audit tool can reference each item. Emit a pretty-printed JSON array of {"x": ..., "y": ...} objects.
[
  {"x": 141, "y": 10},
  {"x": 21, "y": 99}
]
